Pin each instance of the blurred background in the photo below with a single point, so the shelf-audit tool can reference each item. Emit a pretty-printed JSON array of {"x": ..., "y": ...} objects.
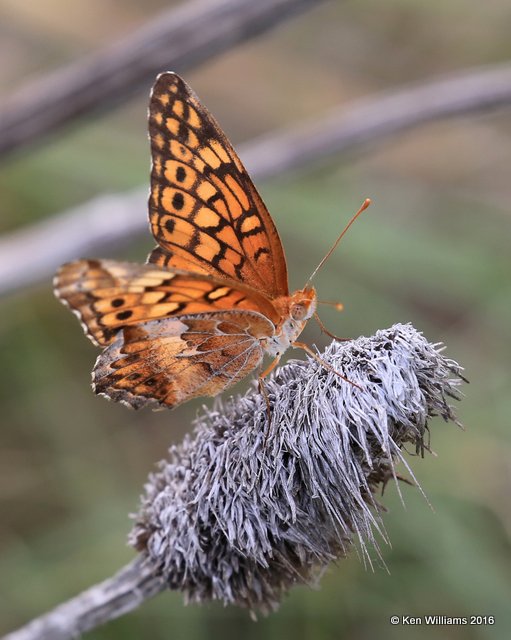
[{"x": 434, "y": 250}]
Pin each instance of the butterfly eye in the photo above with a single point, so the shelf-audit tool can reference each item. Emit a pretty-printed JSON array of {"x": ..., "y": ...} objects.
[{"x": 298, "y": 311}]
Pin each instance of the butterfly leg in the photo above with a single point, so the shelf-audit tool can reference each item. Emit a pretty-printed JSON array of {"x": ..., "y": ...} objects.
[
  {"x": 270, "y": 367},
  {"x": 325, "y": 330},
  {"x": 307, "y": 349}
]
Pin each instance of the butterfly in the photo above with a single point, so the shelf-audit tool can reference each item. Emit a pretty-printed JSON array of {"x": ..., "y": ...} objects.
[{"x": 213, "y": 298}]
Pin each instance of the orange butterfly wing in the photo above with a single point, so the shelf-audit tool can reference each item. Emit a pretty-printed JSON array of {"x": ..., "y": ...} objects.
[
  {"x": 167, "y": 362},
  {"x": 204, "y": 210},
  {"x": 107, "y": 295}
]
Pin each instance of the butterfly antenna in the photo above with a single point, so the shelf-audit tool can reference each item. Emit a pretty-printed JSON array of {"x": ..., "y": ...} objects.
[
  {"x": 338, "y": 306},
  {"x": 364, "y": 206}
]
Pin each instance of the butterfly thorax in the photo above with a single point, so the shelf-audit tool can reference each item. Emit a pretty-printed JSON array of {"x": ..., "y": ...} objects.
[{"x": 294, "y": 310}]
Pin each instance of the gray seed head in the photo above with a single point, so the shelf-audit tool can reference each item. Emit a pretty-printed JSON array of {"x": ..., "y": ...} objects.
[{"x": 240, "y": 513}]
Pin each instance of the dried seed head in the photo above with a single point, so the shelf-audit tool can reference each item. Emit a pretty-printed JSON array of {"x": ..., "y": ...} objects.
[{"x": 240, "y": 515}]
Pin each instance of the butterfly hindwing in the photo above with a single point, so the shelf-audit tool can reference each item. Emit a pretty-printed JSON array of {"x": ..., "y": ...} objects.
[
  {"x": 107, "y": 295},
  {"x": 167, "y": 362},
  {"x": 204, "y": 210}
]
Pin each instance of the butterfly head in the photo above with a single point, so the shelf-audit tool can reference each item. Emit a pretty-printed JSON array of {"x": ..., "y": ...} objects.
[
  {"x": 303, "y": 304},
  {"x": 294, "y": 310}
]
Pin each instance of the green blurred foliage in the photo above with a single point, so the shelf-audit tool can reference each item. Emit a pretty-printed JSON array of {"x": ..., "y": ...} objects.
[{"x": 433, "y": 249}]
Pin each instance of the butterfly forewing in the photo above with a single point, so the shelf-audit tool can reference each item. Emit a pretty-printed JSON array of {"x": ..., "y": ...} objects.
[
  {"x": 205, "y": 213},
  {"x": 107, "y": 295}
]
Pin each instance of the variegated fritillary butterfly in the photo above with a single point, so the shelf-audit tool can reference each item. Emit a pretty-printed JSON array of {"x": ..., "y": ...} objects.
[{"x": 213, "y": 297}]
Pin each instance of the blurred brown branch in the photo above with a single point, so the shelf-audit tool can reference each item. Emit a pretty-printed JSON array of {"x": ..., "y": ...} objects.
[
  {"x": 175, "y": 40},
  {"x": 107, "y": 221},
  {"x": 374, "y": 118}
]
